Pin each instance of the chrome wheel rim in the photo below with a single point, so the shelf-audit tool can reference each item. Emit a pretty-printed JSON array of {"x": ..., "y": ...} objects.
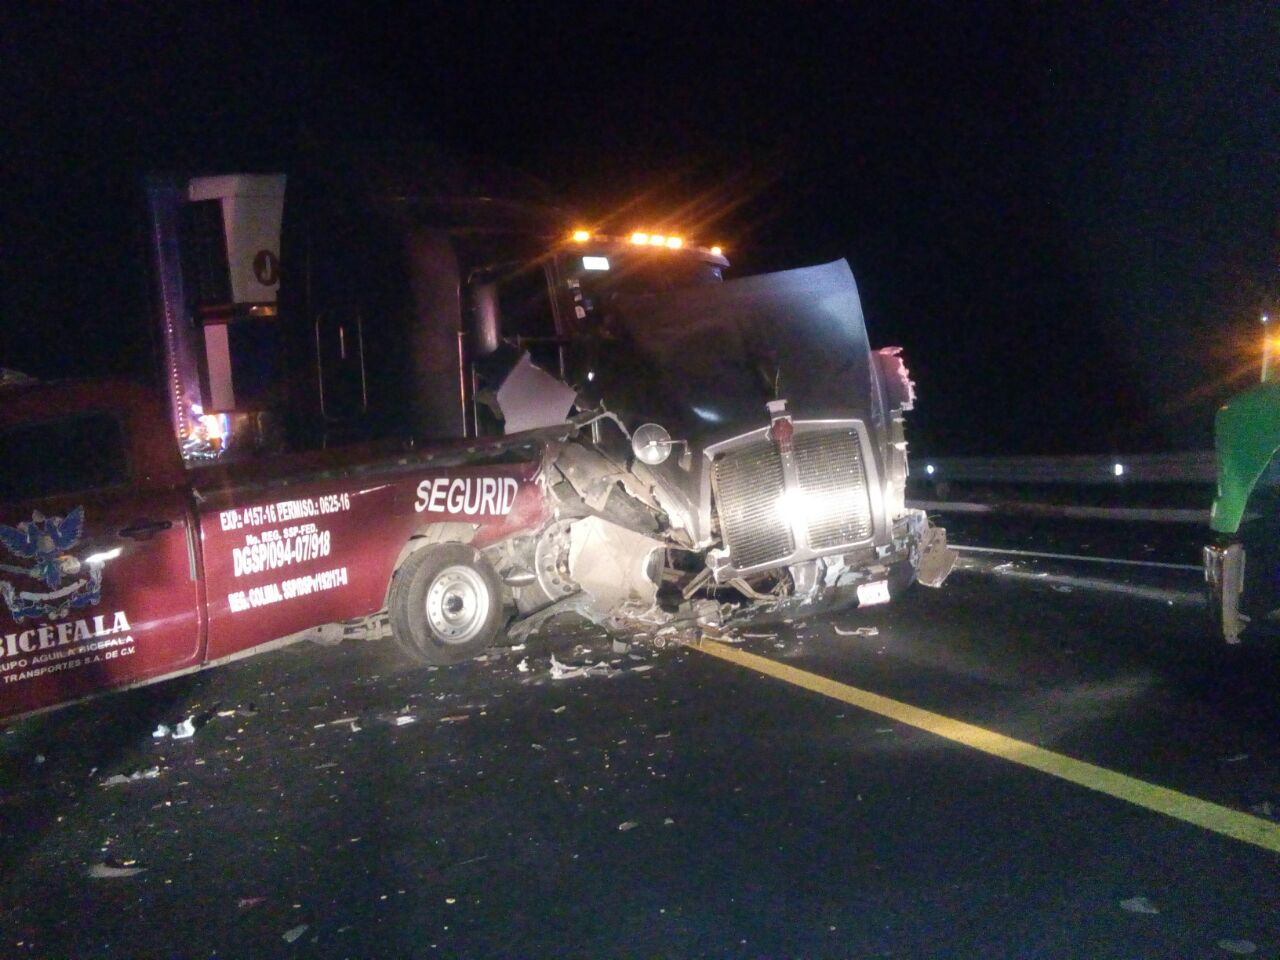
[{"x": 457, "y": 604}]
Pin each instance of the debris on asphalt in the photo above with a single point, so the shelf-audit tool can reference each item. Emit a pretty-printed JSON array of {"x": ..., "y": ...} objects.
[
  {"x": 523, "y": 665},
  {"x": 668, "y": 822},
  {"x": 621, "y": 646},
  {"x": 118, "y": 779},
  {"x": 759, "y": 636},
  {"x": 857, "y": 631},
  {"x": 628, "y": 825},
  {"x": 560, "y": 671},
  {"x": 1239, "y": 947},
  {"x": 1139, "y": 905},
  {"x": 455, "y": 718},
  {"x": 160, "y": 732},
  {"x": 105, "y": 871},
  {"x": 1235, "y": 759},
  {"x": 1063, "y": 588},
  {"x": 248, "y": 903},
  {"x": 293, "y": 933},
  {"x": 407, "y": 718},
  {"x": 340, "y": 721},
  {"x": 185, "y": 729},
  {"x": 559, "y": 709}
]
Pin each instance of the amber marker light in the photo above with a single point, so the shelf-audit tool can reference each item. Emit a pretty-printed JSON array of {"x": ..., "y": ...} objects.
[
  {"x": 639, "y": 237},
  {"x": 717, "y": 251},
  {"x": 675, "y": 243},
  {"x": 581, "y": 236},
  {"x": 657, "y": 240}
]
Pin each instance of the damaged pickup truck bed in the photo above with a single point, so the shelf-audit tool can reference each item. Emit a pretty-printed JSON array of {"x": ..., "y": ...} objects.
[{"x": 743, "y": 450}]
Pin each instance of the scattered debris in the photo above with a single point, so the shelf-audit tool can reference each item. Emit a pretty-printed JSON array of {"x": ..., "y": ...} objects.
[
  {"x": 621, "y": 646},
  {"x": 248, "y": 903},
  {"x": 407, "y": 718},
  {"x": 326, "y": 766},
  {"x": 1063, "y": 588},
  {"x": 293, "y": 933},
  {"x": 559, "y": 709},
  {"x": 151, "y": 773},
  {"x": 641, "y": 668},
  {"x": 857, "y": 631},
  {"x": 1139, "y": 905},
  {"x": 104, "y": 871},
  {"x": 1264, "y": 809},
  {"x": 340, "y": 721},
  {"x": 628, "y": 825},
  {"x": 160, "y": 732},
  {"x": 185, "y": 729},
  {"x": 523, "y": 665},
  {"x": 355, "y": 726},
  {"x": 560, "y": 671},
  {"x": 1240, "y": 947},
  {"x": 667, "y": 822},
  {"x": 759, "y": 636},
  {"x": 39, "y": 759},
  {"x": 455, "y": 718},
  {"x": 1235, "y": 759}
]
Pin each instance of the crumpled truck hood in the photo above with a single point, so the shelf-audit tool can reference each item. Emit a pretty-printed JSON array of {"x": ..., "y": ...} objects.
[{"x": 704, "y": 361}]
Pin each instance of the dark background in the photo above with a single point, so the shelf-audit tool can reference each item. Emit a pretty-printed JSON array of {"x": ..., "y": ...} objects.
[{"x": 1066, "y": 213}]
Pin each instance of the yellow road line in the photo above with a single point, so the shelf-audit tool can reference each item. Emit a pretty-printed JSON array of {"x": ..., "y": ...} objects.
[{"x": 1202, "y": 813}]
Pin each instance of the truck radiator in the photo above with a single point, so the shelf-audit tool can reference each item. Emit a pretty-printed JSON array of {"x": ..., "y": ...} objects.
[{"x": 832, "y": 497}]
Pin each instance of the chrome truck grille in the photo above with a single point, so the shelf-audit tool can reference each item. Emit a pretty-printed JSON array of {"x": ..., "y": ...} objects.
[{"x": 834, "y": 510}]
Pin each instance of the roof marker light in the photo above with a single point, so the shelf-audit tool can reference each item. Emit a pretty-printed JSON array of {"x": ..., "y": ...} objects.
[
  {"x": 717, "y": 252},
  {"x": 639, "y": 237},
  {"x": 581, "y": 236},
  {"x": 657, "y": 240},
  {"x": 675, "y": 243}
]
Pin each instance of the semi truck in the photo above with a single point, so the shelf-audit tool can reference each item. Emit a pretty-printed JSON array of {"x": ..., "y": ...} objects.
[
  {"x": 431, "y": 406},
  {"x": 1243, "y": 559}
]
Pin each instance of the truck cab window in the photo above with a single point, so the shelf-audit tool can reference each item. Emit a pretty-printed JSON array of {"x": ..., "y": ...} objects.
[{"x": 62, "y": 456}]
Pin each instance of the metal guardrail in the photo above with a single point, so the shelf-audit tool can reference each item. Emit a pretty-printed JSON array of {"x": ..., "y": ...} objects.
[{"x": 1199, "y": 466}]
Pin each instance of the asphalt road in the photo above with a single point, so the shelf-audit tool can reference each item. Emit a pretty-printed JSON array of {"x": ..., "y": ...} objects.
[{"x": 682, "y": 806}]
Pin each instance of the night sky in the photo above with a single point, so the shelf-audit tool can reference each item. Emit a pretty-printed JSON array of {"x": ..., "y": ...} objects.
[{"x": 1066, "y": 213}]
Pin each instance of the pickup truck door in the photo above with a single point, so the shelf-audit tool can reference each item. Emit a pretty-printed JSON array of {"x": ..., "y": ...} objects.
[{"x": 98, "y": 584}]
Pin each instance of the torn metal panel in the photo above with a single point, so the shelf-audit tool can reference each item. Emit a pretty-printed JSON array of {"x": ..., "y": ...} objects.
[
  {"x": 530, "y": 398},
  {"x": 614, "y": 565},
  {"x": 936, "y": 558}
]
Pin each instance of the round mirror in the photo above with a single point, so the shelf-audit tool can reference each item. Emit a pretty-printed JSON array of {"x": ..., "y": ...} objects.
[{"x": 651, "y": 444}]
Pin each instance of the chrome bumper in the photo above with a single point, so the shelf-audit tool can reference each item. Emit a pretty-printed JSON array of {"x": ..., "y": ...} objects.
[{"x": 1224, "y": 573}]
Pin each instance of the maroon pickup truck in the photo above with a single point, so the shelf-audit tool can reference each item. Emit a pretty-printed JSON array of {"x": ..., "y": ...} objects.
[{"x": 120, "y": 566}]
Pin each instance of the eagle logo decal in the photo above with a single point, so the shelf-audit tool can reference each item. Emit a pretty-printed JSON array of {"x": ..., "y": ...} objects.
[{"x": 45, "y": 542}]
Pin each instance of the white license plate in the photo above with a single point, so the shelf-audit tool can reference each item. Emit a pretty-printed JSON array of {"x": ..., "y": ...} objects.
[{"x": 872, "y": 593}]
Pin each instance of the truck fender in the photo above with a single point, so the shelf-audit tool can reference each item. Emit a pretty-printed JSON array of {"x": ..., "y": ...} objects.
[{"x": 1247, "y": 436}]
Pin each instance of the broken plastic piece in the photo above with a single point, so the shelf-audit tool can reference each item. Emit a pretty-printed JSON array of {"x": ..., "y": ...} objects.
[
  {"x": 293, "y": 933},
  {"x": 104, "y": 871},
  {"x": 1240, "y": 947},
  {"x": 1139, "y": 905},
  {"x": 160, "y": 732},
  {"x": 857, "y": 632},
  {"x": 151, "y": 773},
  {"x": 628, "y": 825},
  {"x": 560, "y": 671},
  {"x": 185, "y": 729}
]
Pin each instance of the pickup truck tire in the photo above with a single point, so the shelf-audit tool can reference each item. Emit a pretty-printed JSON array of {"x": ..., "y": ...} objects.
[{"x": 445, "y": 604}]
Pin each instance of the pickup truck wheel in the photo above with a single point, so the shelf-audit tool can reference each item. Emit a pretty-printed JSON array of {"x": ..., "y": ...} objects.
[{"x": 446, "y": 604}]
